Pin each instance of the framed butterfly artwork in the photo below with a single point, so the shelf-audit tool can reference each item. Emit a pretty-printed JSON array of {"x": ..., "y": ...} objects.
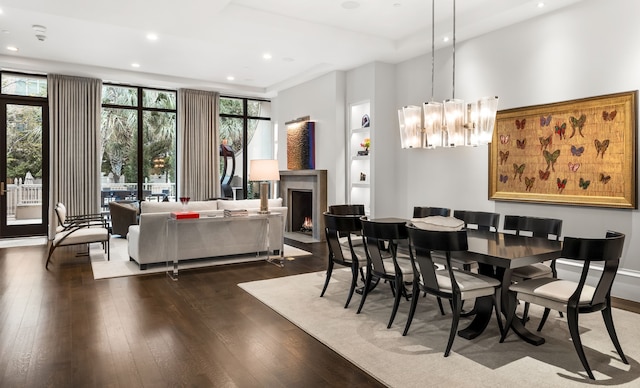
[{"x": 579, "y": 152}]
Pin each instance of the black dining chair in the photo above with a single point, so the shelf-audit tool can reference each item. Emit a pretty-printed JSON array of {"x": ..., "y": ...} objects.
[
  {"x": 425, "y": 211},
  {"x": 347, "y": 209},
  {"x": 339, "y": 227},
  {"x": 449, "y": 283},
  {"x": 383, "y": 261},
  {"x": 549, "y": 228},
  {"x": 474, "y": 220},
  {"x": 575, "y": 298}
]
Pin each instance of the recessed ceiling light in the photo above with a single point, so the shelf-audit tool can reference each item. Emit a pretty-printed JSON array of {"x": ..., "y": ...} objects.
[
  {"x": 230, "y": 78},
  {"x": 540, "y": 4},
  {"x": 12, "y": 48},
  {"x": 152, "y": 36},
  {"x": 266, "y": 56},
  {"x": 350, "y": 4},
  {"x": 135, "y": 65},
  {"x": 445, "y": 39}
]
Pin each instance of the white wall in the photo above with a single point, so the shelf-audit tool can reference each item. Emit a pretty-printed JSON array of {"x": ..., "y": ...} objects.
[
  {"x": 589, "y": 49},
  {"x": 323, "y": 99},
  {"x": 585, "y": 50}
]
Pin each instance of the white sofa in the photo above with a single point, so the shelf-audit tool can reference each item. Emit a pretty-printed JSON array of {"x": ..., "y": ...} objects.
[{"x": 147, "y": 240}]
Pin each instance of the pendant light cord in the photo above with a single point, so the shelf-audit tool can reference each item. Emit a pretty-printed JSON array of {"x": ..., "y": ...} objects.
[
  {"x": 454, "y": 50},
  {"x": 433, "y": 46}
]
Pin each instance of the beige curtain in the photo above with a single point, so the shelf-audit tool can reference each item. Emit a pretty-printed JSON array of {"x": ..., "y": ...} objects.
[
  {"x": 198, "y": 134},
  {"x": 74, "y": 130}
]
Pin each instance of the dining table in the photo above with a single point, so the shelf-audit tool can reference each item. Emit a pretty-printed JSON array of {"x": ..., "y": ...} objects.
[{"x": 497, "y": 254}]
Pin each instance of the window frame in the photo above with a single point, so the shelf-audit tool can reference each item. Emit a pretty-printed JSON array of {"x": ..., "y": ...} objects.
[
  {"x": 245, "y": 132},
  {"x": 140, "y": 109}
]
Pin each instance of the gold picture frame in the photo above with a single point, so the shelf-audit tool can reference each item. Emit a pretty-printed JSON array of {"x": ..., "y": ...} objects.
[{"x": 579, "y": 152}]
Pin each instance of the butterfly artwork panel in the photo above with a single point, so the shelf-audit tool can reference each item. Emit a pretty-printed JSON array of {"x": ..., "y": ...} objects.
[{"x": 578, "y": 152}]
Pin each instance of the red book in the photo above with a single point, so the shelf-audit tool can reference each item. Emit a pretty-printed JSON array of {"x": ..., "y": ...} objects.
[{"x": 184, "y": 215}]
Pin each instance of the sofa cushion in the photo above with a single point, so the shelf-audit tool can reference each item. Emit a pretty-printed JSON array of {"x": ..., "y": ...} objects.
[{"x": 248, "y": 204}]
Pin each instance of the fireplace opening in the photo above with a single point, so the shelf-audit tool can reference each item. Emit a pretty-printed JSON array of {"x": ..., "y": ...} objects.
[{"x": 301, "y": 211}]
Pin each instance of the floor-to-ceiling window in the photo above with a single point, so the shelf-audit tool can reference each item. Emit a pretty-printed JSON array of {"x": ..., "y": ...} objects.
[
  {"x": 245, "y": 134},
  {"x": 24, "y": 167},
  {"x": 138, "y": 144}
]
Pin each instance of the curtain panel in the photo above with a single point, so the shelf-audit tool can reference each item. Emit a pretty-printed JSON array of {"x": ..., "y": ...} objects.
[
  {"x": 198, "y": 134},
  {"x": 74, "y": 128}
]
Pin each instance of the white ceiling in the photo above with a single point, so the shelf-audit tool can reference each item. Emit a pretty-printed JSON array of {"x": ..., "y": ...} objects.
[{"x": 201, "y": 42}]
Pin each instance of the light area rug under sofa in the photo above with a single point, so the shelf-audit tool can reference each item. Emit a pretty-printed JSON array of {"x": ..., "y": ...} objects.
[
  {"x": 120, "y": 265},
  {"x": 417, "y": 360}
]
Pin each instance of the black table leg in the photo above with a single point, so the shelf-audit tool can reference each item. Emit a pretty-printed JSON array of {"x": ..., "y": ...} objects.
[{"x": 508, "y": 302}]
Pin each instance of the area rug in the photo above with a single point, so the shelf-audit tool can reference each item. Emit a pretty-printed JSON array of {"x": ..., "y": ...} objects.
[
  {"x": 417, "y": 360},
  {"x": 120, "y": 265}
]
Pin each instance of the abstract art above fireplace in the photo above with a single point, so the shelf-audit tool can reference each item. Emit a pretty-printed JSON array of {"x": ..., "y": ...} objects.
[{"x": 301, "y": 144}]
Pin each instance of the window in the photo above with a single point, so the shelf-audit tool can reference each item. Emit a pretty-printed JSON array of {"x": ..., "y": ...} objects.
[
  {"x": 245, "y": 134},
  {"x": 138, "y": 132},
  {"x": 24, "y": 85}
]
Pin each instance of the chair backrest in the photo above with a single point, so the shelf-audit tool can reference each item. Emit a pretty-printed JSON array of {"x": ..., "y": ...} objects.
[
  {"x": 381, "y": 241},
  {"x": 347, "y": 209},
  {"x": 423, "y": 242},
  {"x": 607, "y": 250},
  {"x": 478, "y": 220},
  {"x": 337, "y": 226},
  {"x": 61, "y": 212},
  {"x": 538, "y": 227},
  {"x": 423, "y": 211}
]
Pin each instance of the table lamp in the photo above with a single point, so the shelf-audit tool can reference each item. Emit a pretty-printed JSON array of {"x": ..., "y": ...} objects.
[{"x": 264, "y": 170}]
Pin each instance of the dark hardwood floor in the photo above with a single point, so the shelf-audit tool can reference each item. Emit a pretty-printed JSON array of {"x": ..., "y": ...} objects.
[{"x": 62, "y": 328}]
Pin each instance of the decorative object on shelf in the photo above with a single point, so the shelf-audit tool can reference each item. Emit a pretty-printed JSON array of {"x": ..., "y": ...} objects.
[
  {"x": 264, "y": 170},
  {"x": 585, "y": 157},
  {"x": 449, "y": 124},
  {"x": 366, "y": 143},
  {"x": 366, "y": 121},
  {"x": 301, "y": 144},
  {"x": 363, "y": 177}
]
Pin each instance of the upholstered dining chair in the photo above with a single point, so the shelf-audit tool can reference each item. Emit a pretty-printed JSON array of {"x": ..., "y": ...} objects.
[
  {"x": 340, "y": 253},
  {"x": 449, "y": 283},
  {"x": 383, "y": 261},
  {"x": 575, "y": 298},
  {"x": 426, "y": 211},
  {"x": 80, "y": 229},
  {"x": 550, "y": 228}
]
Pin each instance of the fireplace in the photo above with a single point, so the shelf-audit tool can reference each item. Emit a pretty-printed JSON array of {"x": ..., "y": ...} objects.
[
  {"x": 301, "y": 211},
  {"x": 304, "y": 193}
]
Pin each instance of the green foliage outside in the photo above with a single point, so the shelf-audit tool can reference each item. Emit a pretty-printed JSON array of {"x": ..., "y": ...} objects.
[
  {"x": 24, "y": 141},
  {"x": 119, "y": 129}
]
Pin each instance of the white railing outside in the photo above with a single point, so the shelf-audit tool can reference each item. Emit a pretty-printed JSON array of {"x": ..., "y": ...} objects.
[{"x": 30, "y": 194}]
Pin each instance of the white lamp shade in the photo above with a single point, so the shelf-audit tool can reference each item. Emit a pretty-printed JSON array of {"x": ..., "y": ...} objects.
[{"x": 264, "y": 170}]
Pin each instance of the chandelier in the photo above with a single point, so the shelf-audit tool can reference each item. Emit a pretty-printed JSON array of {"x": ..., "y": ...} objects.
[{"x": 451, "y": 123}]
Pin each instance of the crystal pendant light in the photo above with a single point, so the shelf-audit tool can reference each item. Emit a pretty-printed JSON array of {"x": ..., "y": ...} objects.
[{"x": 412, "y": 127}]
